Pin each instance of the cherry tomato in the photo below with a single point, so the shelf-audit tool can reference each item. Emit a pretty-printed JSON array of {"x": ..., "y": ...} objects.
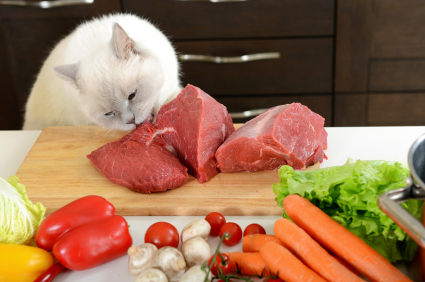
[
  {"x": 233, "y": 230},
  {"x": 162, "y": 234},
  {"x": 224, "y": 264},
  {"x": 216, "y": 220},
  {"x": 254, "y": 229}
]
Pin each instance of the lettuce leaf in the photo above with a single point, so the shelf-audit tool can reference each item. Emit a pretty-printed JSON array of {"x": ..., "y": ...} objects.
[
  {"x": 349, "y": 194},
  {"x": 19, "y": 218}
]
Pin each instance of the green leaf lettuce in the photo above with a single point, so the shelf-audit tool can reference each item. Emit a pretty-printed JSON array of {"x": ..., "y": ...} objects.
[
  {"x": 349, "y": 194},
  {"x": 19, "y": 218}
]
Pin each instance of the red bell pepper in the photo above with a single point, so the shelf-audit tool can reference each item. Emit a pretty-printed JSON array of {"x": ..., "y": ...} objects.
[
  {"x": 93, "y": 243},
  {"x": 78, "y": 212}
]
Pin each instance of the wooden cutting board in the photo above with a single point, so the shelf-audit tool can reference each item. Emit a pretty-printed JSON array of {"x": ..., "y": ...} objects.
[{"x": 56, "y": 172}]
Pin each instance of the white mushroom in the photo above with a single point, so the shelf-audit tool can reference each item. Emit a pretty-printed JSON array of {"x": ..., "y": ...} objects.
[
  {"x": 198, "y": 227},
  {"x": 196, "y": 251},
  {"x": 170, "y": 261},
  {"x": 151, "y": 275},
  {"x": 196, "y": 274},
  {"x": 140, "y": 258}
]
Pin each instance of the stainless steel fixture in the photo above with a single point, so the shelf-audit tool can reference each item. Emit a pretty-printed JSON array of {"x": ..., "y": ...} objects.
[
  {"x": 229, "y": 60},
  {"x": 46, "y": 4},
  {"x": 414, "y": 189},
  {"x": 246, "y": 114}
]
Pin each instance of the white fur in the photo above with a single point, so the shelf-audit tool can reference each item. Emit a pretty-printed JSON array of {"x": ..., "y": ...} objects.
[{"x": 104, "y": 81}]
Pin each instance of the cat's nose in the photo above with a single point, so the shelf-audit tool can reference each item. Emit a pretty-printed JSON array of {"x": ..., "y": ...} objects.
[{"x": 132, "y": 121}]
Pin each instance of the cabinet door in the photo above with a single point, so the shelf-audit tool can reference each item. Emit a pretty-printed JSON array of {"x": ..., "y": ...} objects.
[
  {"x": 9, "y": 110},
  {"x": 380, "y": 62},
  {"x": 27, "y": 36},
  {"x": 320, "y": 104},
  {"x": 304, "y": 66},
  {"x": 244, "y": 19}
]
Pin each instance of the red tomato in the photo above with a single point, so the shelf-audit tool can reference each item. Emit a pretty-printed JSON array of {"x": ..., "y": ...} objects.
[
  {"x": 232, "y": 229},
  {"x": 254, "y": 229},
  {"x": 162, "y": 234},
  {"x": 216, "y": 220},
  {"x": 224, "y": 264}
]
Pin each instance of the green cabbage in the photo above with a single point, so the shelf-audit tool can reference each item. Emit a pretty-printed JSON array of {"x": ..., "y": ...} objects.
[
  {"x": 19, "y": 218},
  {"x": 349, "y": 195}
]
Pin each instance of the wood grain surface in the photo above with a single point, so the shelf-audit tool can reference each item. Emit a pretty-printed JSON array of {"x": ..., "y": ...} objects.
[
  {"x": 352, "y": 45},
  {"x": 301, "y": 60},
  {"x": 397, "y": 75},
  {"x": 187, "y": 20},
  {"x": 56, "y": 172}
]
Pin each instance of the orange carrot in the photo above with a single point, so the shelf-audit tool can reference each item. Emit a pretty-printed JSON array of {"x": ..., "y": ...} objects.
[
  {"x": 311, "y": 253},
  {"x": 346, "y": 264},
  {"x": 288, "y": 267},
  {"x": 253, "y": 243},
  {"x": 249, "y": 263},
  {"x": 339, "y": 240}
]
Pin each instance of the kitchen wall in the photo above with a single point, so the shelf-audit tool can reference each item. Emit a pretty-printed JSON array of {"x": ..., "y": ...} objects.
[{"x": 357, "y": 63}]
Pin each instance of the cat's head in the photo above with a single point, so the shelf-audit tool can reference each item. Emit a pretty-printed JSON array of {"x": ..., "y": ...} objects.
[{"x": 118, "y": 85}]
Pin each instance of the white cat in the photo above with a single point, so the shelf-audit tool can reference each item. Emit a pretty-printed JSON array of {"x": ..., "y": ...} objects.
[{"x": 115, "y": 71}]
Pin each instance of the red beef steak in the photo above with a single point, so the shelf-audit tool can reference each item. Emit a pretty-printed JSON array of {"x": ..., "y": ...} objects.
[
  {"x": 290, "y": 134},
  {"x": 140, "y": 161},
  {"x": 197, "y": 125}
]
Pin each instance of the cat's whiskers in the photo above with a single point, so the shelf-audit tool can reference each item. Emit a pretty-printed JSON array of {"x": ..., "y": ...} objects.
[{"x": 105, "y": 135}]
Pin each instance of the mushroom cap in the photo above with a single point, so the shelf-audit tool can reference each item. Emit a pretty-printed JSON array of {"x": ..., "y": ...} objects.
[
  {"x": 196, "y": 251},
  {"x": 151, "y": 275},
  {"x": 139, "y": 258},
  {"x": 170, "y": 261},
  {"x": 195, "y": 274},
  {"x": 197, "y": 227}
]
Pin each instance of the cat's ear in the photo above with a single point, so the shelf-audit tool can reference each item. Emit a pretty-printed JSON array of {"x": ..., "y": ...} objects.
[
  {"x": 67, "y": 71},
  {"x": 122, "y": 44}
]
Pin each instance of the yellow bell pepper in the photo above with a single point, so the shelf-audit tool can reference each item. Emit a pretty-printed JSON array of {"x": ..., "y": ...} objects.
[{"x": 19, "y": 263}]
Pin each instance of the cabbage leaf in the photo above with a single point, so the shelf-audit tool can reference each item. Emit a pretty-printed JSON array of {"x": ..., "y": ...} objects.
[
  {"x": 19, "y": 218},
  {"x": 349, "y": 194}
]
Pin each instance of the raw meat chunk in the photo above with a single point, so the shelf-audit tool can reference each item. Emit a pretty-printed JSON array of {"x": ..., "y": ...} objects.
[
  {"x": 290, "y": 134},
  {"x": 140, "y": 161},
  {"x": 197, "y": 125}
]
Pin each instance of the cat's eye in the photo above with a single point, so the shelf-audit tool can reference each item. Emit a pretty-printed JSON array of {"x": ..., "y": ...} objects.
[
  {"x": 110, "y": 114},
  {"x": 132, "y": 95}
]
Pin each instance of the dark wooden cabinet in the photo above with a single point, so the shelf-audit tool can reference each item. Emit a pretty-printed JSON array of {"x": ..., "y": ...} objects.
[
  {"x": 380, "y": 63},
  {"x": 356, "y": 63},
  {"x": 9, "y": 109},
  {"x": 190, "y": 20},
  {"x": 304, "y": 66}
]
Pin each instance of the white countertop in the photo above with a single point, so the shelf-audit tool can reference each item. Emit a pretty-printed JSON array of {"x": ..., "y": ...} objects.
[{"x": 366, "y": 143}]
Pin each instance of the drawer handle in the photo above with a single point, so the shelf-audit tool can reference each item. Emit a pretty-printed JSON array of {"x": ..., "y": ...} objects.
[
  {"x": 46, "y": 4},
  {"x": 215, "y": 1},
  {"x": 250, "y": 113},
  {"x": 227, "y": 60}
]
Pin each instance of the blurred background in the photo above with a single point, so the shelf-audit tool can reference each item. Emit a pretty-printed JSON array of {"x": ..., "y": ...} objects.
[{"x": 355, "y": 62}]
